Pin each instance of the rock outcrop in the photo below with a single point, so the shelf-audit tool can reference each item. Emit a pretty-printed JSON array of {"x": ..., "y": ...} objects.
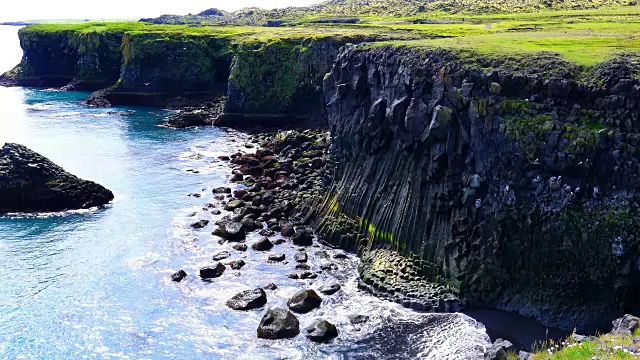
[
  {"x": 516, "y": 187},
  {"x": 29, "y": 182}
]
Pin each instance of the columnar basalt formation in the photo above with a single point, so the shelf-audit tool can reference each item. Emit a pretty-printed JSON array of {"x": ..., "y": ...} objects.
[{"x": 517, "y": 187}]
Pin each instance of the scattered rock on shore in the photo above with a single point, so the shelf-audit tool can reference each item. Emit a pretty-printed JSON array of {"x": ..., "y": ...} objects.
[
  {"x": 231, "y": 231},
  {"x": 329, "y": 289},
  {"x": 302, "y": 237},
  {"x": 212, "y": 272},
  {"x": 278, "y": 323},
  {"x": 221, "y": 255},
  {"x": 304, "y": 301},
  {"x": 321, "y": 331},
  {"x": 264, "y": 244},
  {"x": 248, "y": 300},
  {"x": 179, "y": 276}
]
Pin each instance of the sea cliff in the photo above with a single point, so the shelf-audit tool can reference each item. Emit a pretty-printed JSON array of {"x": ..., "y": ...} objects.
[{"x": 471, "y": 166}]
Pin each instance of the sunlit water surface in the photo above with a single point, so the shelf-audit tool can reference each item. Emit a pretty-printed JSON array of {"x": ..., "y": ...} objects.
[{"x": 95, "y": 284}]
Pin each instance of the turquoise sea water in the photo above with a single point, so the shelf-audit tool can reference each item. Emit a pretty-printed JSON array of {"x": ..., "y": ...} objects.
[{"x": 95, "y": 284}]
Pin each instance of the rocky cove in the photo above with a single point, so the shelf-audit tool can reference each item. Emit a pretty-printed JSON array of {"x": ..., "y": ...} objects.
[{"x": 460, "y": 181}]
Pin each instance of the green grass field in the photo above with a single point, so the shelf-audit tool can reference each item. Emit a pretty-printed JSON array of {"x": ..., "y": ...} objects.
[{"x": 584, "y": 37}]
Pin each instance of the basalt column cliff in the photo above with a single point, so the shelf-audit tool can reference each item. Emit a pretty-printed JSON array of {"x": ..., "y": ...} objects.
[{"x": 513, "y": 188}]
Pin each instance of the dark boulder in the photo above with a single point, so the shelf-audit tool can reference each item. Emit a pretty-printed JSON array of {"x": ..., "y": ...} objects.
[
  {"x": 231, "y": 231},
  {"x": 211, "y": 272},
  {"x": 179, "y": 276},
  {"x": 330, "y": 289},
  {"x": 321, "y": 331},
  {"x": 240, "y": 247},
  {"x": 358, "y": 319},
  {"x": 278, "y": 323},
  {"x": 263, "y": 244},
  {"x": 29, "y": 182},
  {"x": 189, "y": 119},
  {"x": 237, "y": 264},
  {"x": 270, "y": 286},
  {"x": 277, "y": 257},
  {"x": 304, "y": 301},
  {"x": 288, "y": 230},
  {"x": 248, "y": 300},
  {"x": 303, "y": 237},
  {"x": 200, "y": 224}
]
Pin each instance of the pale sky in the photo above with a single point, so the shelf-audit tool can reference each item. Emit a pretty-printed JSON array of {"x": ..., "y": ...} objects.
[{"x": 16, "y": 10}]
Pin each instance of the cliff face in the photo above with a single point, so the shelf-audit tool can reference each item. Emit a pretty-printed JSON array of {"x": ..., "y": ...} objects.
[
  {"x": 160, "y": 65},
  {"x": 516, "y": 189},
  {"x": 82, "y": 61}
]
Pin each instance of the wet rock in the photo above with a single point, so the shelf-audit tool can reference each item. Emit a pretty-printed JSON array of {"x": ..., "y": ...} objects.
[
  {"x": 625, "y": 325},
  {"x": 293, "y": 276},
  {"x": 340, "y": 255},
  {"x": 278, "y": 323},
  {"x": 240, "y": 247},
  {"x": 498, "y": 350},
  {"x": 250, "y": 225},
  {"x": 179, "y": 276},
  {"x": 29, "y": 182},
  {"x": 200, "y": 224},
  {"x": 221, "y": 255},
  {"x": 248, "y": 300},
  {"x": 308, "y": 275},
  {"x": 303, "y": 267},
  {"x": 263, "y": 244},
  {"x": 266, "y": 232},
  {"x": 212, "y": 271},
  {"x": 329, "y": 289},
  {"x": 321, "y": 331},
  {"x": 279, "y": 241},
  {"x": 222, "y": 190},
  {"x": 234, "y": 204},
  {"x": 303, "y": 237},
  {"x": 288, "y": 230},
  {"x": 326, "y": 265},
  {"x": 301, "y": 257},
  {"x": 231, "y": 231},
  {"x": 187, "y": 119},
  {"x": 236, "y": 178},
  {"x": 358, "y": 319},
  {"x": 270, "y": 286},
  {"x": 237, "y": 264},
  {"x": 304, "y": 301},
  {"x": 277, "y": 257}
]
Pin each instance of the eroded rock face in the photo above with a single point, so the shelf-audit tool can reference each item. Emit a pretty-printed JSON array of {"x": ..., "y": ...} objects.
[
  {"x": 29, "y": 182},
  {"x": 518, "y": 187}
]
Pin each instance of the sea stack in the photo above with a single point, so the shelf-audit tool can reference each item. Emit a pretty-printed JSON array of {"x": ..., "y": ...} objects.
[{"x": 29, "y": 182}]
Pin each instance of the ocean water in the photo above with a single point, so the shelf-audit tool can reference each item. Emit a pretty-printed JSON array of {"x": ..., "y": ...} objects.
[{"x": 95, "y": 284}]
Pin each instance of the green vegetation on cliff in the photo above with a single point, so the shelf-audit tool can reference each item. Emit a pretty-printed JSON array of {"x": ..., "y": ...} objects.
[{"x": 348, "y": 11}]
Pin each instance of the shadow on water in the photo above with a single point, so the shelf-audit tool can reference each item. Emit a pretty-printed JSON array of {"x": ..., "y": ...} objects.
[{"x": 522, "y": 331}]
